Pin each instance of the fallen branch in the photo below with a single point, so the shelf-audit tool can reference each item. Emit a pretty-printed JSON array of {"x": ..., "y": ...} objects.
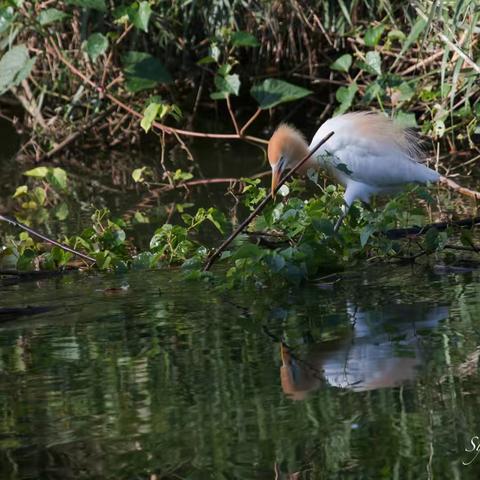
[
  {"x": 396, "y": 233},
  {"x": 13, "y": 222},
  {"x": 458, "y": 188},
  {"x": 211, "y": 259}
]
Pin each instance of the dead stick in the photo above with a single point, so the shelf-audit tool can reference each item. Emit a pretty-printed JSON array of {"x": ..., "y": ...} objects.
[
  {"x": 397, "y": 233},
  {"x": 13, "y": 222},
  {"x": 211, "y": 259}
]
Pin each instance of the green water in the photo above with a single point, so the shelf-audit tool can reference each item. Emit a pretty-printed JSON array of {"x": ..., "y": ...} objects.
[{"x": 180, "y": 380}]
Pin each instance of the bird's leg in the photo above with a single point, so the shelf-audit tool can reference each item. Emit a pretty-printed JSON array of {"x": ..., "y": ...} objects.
[{"x": 344, "y": 213}]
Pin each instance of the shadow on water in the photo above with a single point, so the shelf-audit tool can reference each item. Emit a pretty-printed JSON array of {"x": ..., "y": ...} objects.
[{"x": 144, "y": 374}]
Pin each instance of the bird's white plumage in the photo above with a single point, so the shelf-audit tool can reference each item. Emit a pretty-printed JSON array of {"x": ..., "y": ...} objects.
[{"x": 369, "y": 154}]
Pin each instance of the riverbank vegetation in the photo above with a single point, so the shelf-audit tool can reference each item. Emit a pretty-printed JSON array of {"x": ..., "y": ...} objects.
[{"x": 94, "y": 75}]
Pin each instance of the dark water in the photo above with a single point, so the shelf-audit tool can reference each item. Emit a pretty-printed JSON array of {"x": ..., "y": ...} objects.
[{"x": 176, "y": 379}]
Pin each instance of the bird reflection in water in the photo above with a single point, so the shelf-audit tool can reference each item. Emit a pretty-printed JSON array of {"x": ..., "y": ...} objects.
[{"x": 383, "y": 349}]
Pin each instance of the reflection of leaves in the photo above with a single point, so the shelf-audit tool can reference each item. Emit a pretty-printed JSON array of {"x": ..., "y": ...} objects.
[{"x": 273, "y": 92}]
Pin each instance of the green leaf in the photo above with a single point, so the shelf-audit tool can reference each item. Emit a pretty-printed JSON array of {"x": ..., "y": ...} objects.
[
  {"x": 149, "y": 116},
  {"x": 343, "y": 63},
  {"x": 417, "y": 29},
  {"x": 6, "y": 17},
  {"x": 373, "y": 35},
  {"x": 244, "y": 39},
  {"x": 142, "y": 16},
  {"x": 51, "y": 15},
  {"x": 61, "y": 212},
  {"x": 228, "y": 85},
  {"x": 15, "y": 66},
  {"x": 345, "y": 96},
  {"x": 58, "y": 178},
  {"x": 38, "y": 172},
  {"x": 22, "y": 190},
  {"x": 39, "y": 195},
  {"x": 206, "y": 60},
  {"x": 137, "y": 174},
  {"x": 93, "y": 4},
  {"x": 97, "y": 45},
  {"x": 374, "y": 62},
  {"x": 365, "y": 234},
  {"x": 406, "y": 120},
  {"x": 143, "y": 71},
  {"x": 273, "y": 92}
]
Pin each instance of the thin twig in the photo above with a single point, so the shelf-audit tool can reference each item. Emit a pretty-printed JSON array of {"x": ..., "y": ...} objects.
[
  {"x": 13, "y": 222},
  {"x": 250, "y": 120},
  {"x": 211, "y": 259}
]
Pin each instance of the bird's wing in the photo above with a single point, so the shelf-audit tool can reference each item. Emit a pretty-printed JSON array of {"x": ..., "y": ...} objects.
[{"x": 371, "y": 149}]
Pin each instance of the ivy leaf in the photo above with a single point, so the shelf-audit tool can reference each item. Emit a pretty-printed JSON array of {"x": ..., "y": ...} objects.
[
  {"x": 58, "y": 178},
  {"x": 273, "y": 92},
  {"x": 345, "y": 96},
  {"x": 38, "y": 172},
  {"x": 137, "y": 174},
  {"x": 15, "y": 66},
  {"x": 342, "y": 64},
  {"x": 97, "y": 45},
  {"x": 244, "y": 39},
  {"x": 142, "y": 16},
  {"x": 51, "y": 15},
  {"x": 406, "y": 120},
  {"x": 227, "y": 85},
  {"x": 93, "y": 4},
  {"x": 7, "y": 15},
  {"x": 373, "y": 35},
  {"x": 21, "y": 190},
  {"x": 374, "y": 62},
  {"x": 149, "y": 116},
  {"x": 143, "y": 71}
]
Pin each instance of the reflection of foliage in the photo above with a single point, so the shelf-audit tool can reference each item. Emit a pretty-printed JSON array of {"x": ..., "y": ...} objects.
[{"x": 165, "y": 384}]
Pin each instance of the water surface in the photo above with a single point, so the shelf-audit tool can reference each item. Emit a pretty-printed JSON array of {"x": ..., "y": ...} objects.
[{"x": 377, "y": 378}]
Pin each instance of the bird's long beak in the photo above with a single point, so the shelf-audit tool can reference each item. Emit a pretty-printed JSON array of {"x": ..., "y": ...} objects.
[{"x": 277, "y": 173}]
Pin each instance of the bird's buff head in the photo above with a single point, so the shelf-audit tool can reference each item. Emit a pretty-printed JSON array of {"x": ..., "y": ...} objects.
[{"x": 285, "y": 149}]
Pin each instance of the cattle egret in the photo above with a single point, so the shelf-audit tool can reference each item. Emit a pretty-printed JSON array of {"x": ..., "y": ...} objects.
[{"x": 369, "y": 155}]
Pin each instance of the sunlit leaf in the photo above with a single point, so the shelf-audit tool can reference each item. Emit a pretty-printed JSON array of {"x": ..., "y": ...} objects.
[
  {"x": 228, "y": 85},
  {"x": 343, "y": 63},
  {"x": 406, "y": 120},
  {"x": 273, "y": 92},
  {"x": 39, "y": 172},
  {"x": 61, "y": 212},
  {"x": 21, "y": 190},
  {"x": 149, "y": 116},
  {"x": 58, "y": 178},
  {"x": 7, "y": 15}
]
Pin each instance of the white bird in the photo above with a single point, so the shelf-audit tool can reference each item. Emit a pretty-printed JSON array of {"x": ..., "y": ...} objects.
[{"x": 368, "y": 154}]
